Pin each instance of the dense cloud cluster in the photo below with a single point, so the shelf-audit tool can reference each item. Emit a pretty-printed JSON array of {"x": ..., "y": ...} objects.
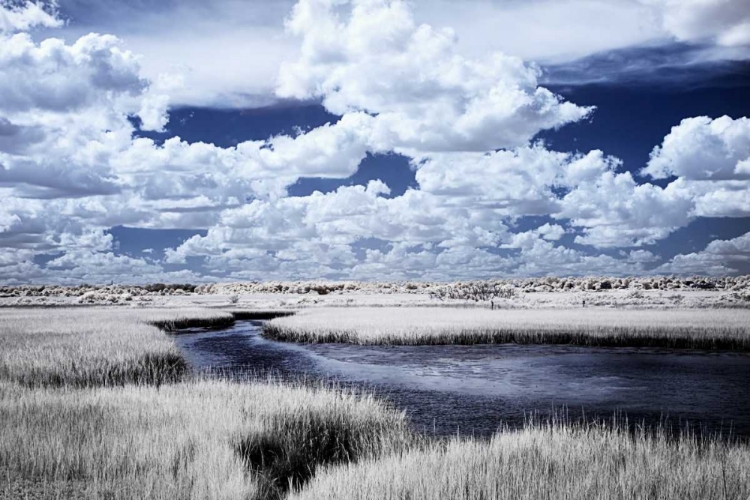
[
  {"x": 419, "y": 92},
  {"x": 72, "y": 166}
]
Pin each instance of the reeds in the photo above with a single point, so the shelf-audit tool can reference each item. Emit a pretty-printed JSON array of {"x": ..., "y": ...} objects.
[
  {"x": 95, "y": 346},
  {"x": 206, "y": 439},
  {"x": 548, "y": 461},
  {"x": 94, "y": 404},
  {"x": 673, "y": 328}
]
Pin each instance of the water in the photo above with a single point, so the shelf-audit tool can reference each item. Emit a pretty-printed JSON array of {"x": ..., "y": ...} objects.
[{"x": 475, "y": 389}]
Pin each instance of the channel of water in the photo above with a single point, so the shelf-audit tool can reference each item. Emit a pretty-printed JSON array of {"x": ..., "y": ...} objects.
[{"x": 476, "y": 389}]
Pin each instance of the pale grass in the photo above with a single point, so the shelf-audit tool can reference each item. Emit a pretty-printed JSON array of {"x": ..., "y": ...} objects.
[
  {"x": 547, "y": 462},
  {"x": 684, "y": 328},
  {"x": 94, "y": 346},
  {"x": 89, "y": 408},
  {"x": 195, "y": 440}
]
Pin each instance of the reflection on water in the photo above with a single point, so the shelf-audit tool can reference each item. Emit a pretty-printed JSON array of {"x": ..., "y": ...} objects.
[{"x": 475, "y": 389}]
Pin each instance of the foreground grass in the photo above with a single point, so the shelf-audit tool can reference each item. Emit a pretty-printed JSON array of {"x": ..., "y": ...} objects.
[
  {"x": 95, "y": 346},
  {"x": 547, "y": 461},
  {"x": 201, "y": 440},
  {"x": 91, "y": 406},
  {"x": 685, "y": 328}
]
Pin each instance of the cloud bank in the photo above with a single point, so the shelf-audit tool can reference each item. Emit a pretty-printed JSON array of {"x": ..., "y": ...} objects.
[
  {"x": 72, "y": 166},
  {"x": 196, "y": 40}
]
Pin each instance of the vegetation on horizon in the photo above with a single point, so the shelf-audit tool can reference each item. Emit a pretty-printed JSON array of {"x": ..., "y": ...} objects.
[
  {"x": 454, "y": 289},
  {"x": 684, "y": 328}
]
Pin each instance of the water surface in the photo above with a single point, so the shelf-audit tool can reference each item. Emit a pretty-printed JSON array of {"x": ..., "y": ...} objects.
[{"x": 475, "y": 389}]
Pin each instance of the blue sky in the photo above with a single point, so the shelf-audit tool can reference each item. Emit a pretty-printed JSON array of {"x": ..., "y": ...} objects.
[{"x": 375, "y": 140}]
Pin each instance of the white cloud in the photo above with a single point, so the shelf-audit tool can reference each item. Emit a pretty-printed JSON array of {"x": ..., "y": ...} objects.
[
  {"x": 56, "y": 77},
  {"x": 704, "y": 149},
  {"x": 710, "y": 159},
  {"x": 24, "y": 17},
  {"x": 154, "y": 112},
  {"x": 551, "y": 232},
  {"x": 643, "y": 256},
  {"x": 718, "y": 258},
  {"x": 61, "y": 107},
  {"x": 545, "y": 30},
  {"x": 515, "y": 182},
  {"x": 726, "y": 22},
  {"x": 198, "y": 40},
  {"x": 426, "y": 96},
  {"x": 615, "y": 211}
]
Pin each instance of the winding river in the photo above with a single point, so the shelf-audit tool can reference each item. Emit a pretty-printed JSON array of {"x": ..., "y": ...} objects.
[{"x": 475, "y": 389}]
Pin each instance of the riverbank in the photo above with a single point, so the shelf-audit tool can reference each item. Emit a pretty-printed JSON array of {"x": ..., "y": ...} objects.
[{"x": 727, "y": 329}]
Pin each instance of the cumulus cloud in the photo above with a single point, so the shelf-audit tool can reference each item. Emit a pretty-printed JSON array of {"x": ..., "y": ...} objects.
[
  {"x": 710, "y": 159},
  {"x": 54, "y": 76},
  {"x": 704, "y": 149},
  {"x": 615, "y": 211},
  {"x": 423, "y": 94}
]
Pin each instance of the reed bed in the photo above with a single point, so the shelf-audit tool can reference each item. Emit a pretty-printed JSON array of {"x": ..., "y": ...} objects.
[
  {"x": 95, "y": 346},
  {"x": 674, "y": 328},
  {"x": 553, "y": 460},
  {"x": 207, "y": 439}
]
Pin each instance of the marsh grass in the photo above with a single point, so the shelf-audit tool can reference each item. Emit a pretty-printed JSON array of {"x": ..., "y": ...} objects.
[
  {"x": 685, "y": 328},
  {"x": 95, "y": 346},
  {"x": 96, "y": 403},
  {"x": 546, "y": 461},
  {"x": 207, "y": 439}
]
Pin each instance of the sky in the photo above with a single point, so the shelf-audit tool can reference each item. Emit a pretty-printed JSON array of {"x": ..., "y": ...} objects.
[{"x": 195, "y": 141}]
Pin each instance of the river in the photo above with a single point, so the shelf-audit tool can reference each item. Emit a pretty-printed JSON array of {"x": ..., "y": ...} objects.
[{"x": 476, "y": 389}]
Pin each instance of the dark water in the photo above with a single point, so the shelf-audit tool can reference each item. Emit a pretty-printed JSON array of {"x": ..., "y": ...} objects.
[{"x": 475, "y": 389}]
